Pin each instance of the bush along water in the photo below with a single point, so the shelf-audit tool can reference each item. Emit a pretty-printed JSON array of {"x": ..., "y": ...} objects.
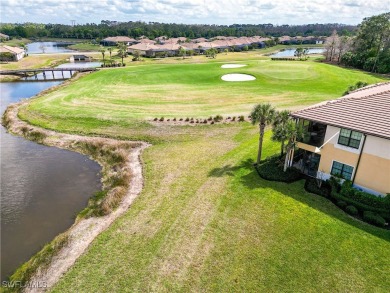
[{"x": 369, "y": 208}]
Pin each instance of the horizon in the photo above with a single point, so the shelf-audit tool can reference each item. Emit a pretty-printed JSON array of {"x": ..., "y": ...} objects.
[{"x": 186, "y": 12}]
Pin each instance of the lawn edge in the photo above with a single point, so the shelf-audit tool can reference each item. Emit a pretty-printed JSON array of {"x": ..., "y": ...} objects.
[{"x": 58, "y": 259}]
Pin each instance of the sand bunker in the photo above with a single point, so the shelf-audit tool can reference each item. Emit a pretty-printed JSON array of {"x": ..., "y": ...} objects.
[
  {"x": 237, "y": 77},
  {"x": 232, "y": 65}
]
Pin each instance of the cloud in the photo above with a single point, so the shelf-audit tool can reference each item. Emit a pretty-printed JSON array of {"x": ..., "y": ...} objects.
[{"x": 192, "y": 11}]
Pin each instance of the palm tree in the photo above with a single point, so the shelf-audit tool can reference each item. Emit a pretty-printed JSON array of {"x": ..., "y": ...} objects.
[
  {"x": 279, "y": 130},
  {"x": 110, "y": 51},
  {"x": 295, "y": 133},
  {"x": 121, "y": 50},
  {"x": 262, "y": 114},
  {"x": 103, "y": 51}
]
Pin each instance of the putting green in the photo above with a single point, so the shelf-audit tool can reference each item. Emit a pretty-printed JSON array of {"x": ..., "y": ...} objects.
[{"x": 117, "y": 96}]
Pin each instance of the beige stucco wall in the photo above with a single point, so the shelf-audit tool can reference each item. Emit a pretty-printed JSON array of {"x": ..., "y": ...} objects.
[
  {"x": 374, "y": 168},
  {"x": 374, "y": 173}
]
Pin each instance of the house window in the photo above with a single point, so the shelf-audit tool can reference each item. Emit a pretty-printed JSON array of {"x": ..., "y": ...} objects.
[
  {"x": 350, "y": 138},
  {"x": 340, "y": 169}
]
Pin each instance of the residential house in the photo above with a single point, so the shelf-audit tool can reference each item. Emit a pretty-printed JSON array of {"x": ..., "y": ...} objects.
[
  {"x": 80, "y": 58},
  {"x": 4, "y": 37},
  {"x": 348, "y": 137},
  {"x": 145, "y": 49},
  {"x": 8, "y": 53},
  {"x": 113, "y": 41}
]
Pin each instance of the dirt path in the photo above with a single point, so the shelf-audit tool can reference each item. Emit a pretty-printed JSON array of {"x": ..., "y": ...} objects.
[{"x": 82, "y": 233}]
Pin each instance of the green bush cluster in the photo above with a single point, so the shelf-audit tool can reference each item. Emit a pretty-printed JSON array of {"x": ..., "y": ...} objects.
[
  {"x": 370, "y": 208},
  {"x": 272, "y": 169},
  {"x": 312, "y": 186},
  {"x": 353, "y": 211},
  {"x": 374, "y": 219},
  {"x": 365, "y": 198}
]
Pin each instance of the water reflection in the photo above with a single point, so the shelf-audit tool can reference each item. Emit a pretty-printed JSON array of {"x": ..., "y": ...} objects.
[
  {"x": 290, "y": 52},
  {"x": 48, "y": 48},
  {"x": 42, "y": 188}
]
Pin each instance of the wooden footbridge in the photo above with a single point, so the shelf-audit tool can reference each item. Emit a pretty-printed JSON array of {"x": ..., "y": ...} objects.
[{"x": 47, "y": 73}]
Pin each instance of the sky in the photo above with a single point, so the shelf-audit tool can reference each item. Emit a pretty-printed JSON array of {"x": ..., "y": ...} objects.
[{"x": 277, "y": 12}]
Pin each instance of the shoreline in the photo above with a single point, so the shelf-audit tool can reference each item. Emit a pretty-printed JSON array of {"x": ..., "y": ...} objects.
[{"x": 68, "y": 246}]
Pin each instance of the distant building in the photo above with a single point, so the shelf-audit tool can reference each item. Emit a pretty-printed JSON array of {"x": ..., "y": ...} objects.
[
  {"x": 8, "y": 53},
  {"x": 113, "y": 41},
  {"x": 348, "y": 137},
  {"x": 4, "y": 37},
  {"x": 80, "y": 58}
]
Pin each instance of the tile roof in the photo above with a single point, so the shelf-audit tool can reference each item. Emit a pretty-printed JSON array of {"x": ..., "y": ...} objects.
[
  {"x": 9, "y": 49},
  {"x": 144, "y": 47},
  {"x": 366, "y": 110},
  {"x": 119, "y": 39}
]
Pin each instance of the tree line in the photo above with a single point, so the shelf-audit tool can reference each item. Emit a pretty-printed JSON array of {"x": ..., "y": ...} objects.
[
  {"x": 368, "y": 50},
  {"x": 152, "y": 30}
]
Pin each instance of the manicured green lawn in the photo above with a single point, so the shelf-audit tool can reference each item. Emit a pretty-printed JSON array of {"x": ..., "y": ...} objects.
[
  {"x": 205, "y": 221},
  {"x": 112, "y": 98},
  {"x": 85, "y": 47}
]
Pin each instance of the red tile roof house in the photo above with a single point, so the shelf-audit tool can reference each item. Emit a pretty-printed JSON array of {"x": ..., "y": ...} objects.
[
  {"x": 348, "y": 137},
  {"x": 113, "y": 41},
  {"x": 4, "y": 37},
  {"x": 8, "y": 53},
  {"x": 145, "y": 49}
]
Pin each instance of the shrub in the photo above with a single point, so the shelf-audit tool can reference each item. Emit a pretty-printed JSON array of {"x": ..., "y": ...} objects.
[
  {"x": 272, "y": 169},
  {"x": 361, "y": 207},
  {"x": 212, "y": 122},
  {"x": 342, "y": 204},
  {"x": 241, "y": 118},
  {"x": 155, "y": 119},
  {"x": 374, "y": 219},
  {"x": 187, "y": 119},
  {"x": 218, "y": 118},
  {"x": 234, "y": 118},
  {"x": 162, "y": 119},
  {"x": 168, "y": 119},
  {"x": 181, "y": 119},
  {"x": 174, "y": 119},
  {"x": 349, "y": 191},
  {"x": 312, "y": 187},
  {"x": 210, "y": 118},
  {"x": 192, "y": 121},
  {"x": 351, "y": 210},
  {"x": 205, "y": 121}
]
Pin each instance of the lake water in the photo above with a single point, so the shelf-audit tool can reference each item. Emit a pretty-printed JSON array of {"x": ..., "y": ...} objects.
[
  {"x": 50, "y": 75},
  {"x": 42, "y": 188},
  {"x": 47, "y": 47},
  {"x": 290, "y": 52}
]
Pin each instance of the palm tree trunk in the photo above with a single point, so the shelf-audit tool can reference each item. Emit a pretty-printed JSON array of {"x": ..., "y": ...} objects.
[{"x": 262, "y": 127}]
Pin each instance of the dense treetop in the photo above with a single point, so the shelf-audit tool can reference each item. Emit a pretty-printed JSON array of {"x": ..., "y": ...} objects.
[{"x": 154, "y": 29}]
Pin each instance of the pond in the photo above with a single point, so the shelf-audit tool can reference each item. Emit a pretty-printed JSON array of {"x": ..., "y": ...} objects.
[
  {"x": 48, "y": 48},
  {"x": 42, "y": 188},
  {"x": 50, "y": 75},
  {"x": 290, "y": 52}
]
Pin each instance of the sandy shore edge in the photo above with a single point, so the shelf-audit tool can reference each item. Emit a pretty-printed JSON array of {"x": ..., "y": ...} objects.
[{"x": 82, "y": 233}]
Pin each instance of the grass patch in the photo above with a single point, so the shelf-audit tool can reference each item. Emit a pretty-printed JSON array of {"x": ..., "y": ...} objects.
[
  {"x": 205, "y": 221},
  {"x": 85, "y": 47}
]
